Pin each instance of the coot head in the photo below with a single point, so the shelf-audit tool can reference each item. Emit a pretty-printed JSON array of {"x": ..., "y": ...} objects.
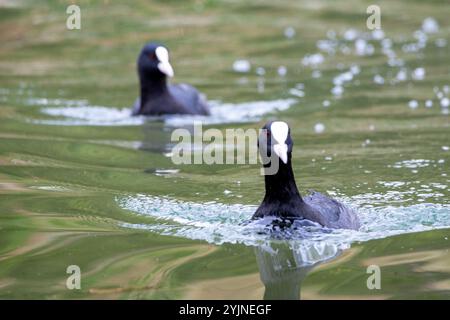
[
  {"x": 153, "y": 61},
  {"x": 275, "y": 143}
]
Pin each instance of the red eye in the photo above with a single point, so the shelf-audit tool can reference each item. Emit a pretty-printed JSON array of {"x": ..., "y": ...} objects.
[
  {"x": 268, "y": 133},
  {"x": 152, "y": 56}
]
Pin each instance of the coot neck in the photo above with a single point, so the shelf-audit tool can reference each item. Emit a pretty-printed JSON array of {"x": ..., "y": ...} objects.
[
  {"x": 281, "y": 186},
  {"x": 153, "y": 85}
]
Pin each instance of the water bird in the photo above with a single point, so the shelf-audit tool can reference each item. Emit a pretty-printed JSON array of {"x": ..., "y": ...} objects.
[
  {"x": 282, "y": 198},
  {"x": 157, "y": 96}
]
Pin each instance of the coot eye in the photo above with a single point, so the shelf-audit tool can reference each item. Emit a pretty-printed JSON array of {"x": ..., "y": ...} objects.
[{"x": 152, "y": 56}]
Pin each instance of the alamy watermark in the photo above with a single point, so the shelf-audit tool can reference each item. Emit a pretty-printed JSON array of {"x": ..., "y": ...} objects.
[
  {"x": 74, "y": 280},
  {"x": 374, "y": 20},
  {"x": 374, "y": 280},
  {"x": 236, "y": 146},
  {"x": 73, "y": 21}
]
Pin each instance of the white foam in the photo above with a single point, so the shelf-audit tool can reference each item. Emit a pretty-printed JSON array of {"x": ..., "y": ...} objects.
[
  {"x": 80, "y": 113},
  {"x": 220, "y": 223}
]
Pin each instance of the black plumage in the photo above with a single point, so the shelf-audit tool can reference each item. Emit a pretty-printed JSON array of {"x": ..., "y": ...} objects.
[
  {"x": 157, "y": 96},
  {"x": 282, "y": 198}
]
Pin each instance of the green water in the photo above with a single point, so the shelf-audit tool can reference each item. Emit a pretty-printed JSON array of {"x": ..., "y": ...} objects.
[{"x": 59, "y": 183}]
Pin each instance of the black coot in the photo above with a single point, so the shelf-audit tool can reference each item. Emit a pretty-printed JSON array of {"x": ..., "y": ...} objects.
[
  {"x": 157, "y": 96},
  {"x": 282, "y": 198}
]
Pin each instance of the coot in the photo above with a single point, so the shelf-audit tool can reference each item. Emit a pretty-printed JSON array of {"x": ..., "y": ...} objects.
[
  {"x": 157, "y": 96},
  {"x": 282, "y": 198}
]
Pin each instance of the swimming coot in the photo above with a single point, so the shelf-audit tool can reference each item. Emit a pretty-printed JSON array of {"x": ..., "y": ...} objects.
[
  {"x": 282, "y": 198},
  {"x": 157, "y": 96}
]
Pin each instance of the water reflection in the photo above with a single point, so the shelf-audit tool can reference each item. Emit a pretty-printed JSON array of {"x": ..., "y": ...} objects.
[
  {"x": 284, "y": 265},
  {"x": 156, "y": 137}
]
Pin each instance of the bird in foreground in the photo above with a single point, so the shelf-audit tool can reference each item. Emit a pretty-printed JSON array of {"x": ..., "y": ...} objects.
[
  {"x": 157, "y": 96},
  {"x": 282, "y": 198}
]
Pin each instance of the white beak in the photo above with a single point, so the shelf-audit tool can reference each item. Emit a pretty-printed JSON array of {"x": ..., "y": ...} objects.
[
  {"x": 164, "y": 66},
  {"x": 280, "y": 131},
  {"x": 281, "y": 151}
]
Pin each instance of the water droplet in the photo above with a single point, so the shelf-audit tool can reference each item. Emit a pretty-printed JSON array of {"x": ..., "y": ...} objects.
[
  {"x": 430, "y": 25},
  {"x": 282, "y": 71},
  {"x": 319, "y": 127},
  {"x": 418, "y": 74},
  {"x": 413, "y": 104},
  {"x": 378, "y": 79},
  {"x": 241, "y": 66},
  {"x": 289, "y": 32}
]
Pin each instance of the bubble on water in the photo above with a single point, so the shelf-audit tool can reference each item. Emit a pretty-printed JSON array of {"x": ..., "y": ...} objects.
[
  {"x": 418, "y": 74},
  {"x": 428, "y": 103},
  {"x": 413, "y": 104},
  {"x": 402, "y": 75},
  {"x": 282, "y": 71},
  {"x": 421, "y": 38},
  {"x": 351, "y": 34},
  {"x": 363, "y": 48},
  {"x": 289, "y": 32},
  {"x": 430, "y": 25},
  {"x": 445, "y": 102},
  {"x": 316, "y": 74},
  {"x": 386, "y": 43},
  {"x": 226, "y": 192},
  {"x": 342, "y": 78},
  {"x": 260, "y": 71},
  {"x": 410, "y": 47},
  {"x": 440, "y": 43},
  {"x": 378, "y": 34},
  {"x": 313, "y": 59},
  {"x": 337, "y": 90},
  {"x": 345, "y": 50},
  {"x": 378, "y": 79},
  {"x": 319, "y": 128},
  {"x": 413, "y": 163},
  {"x": 445, "y": 148},
  {"x": 446, "y": 89},
  {"x": 367, "y": 141},
  {"x": 326, "y": 103},
  {"x": 327, "y": 46},
  {"x": 355, "y": 69},
  {"x": 241, "y": 66},
  {"x": 297, "y": 92}
]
